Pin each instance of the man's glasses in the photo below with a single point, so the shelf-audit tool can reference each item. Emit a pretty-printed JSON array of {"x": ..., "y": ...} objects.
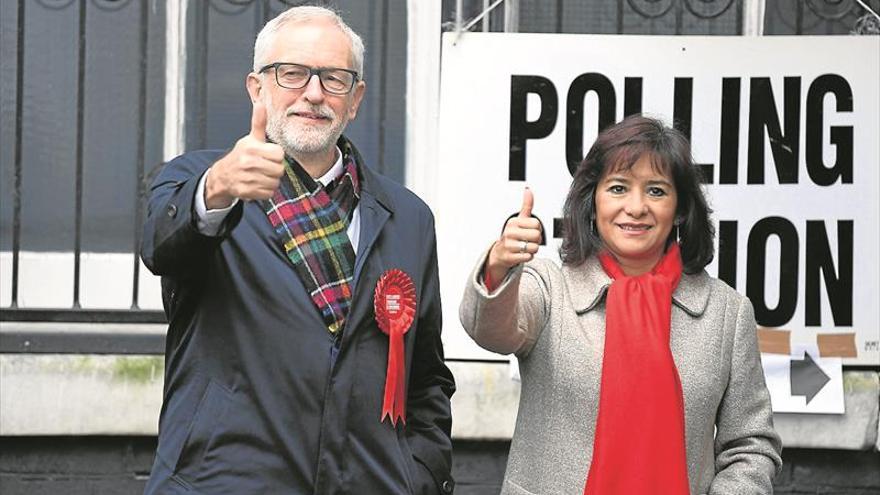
[{"x": 295, "y": 76}]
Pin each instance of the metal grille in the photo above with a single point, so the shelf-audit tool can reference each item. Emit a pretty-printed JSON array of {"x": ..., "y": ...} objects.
[
  {"x": 813, "y": 17},
  {"x": 219, "y": 42},
  {"x": 42, "y": 84},
  {"x": 61, "y": 166},
  {"x": 666, "y": 17}
]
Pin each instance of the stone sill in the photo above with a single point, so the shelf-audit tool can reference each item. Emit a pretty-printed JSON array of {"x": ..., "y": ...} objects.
[{"x": 106, "y": 394}]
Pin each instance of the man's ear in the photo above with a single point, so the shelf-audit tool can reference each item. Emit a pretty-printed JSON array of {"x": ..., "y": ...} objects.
[
  {"x": 254, "y": 84},
  {"x": 357, "y": 96}
]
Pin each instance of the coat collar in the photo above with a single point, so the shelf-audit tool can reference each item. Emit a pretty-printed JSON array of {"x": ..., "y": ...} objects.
[
  {"x": 369, "y": 180},
  {"x": 376, "y": 207},
  {"x": 588, "y": 284}
]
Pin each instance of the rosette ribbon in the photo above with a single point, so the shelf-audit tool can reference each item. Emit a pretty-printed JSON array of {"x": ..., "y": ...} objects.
[{"x": 394, "y": 303}]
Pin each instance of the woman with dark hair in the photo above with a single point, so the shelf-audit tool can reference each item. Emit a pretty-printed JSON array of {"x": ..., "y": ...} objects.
[{"x": 640, "y": 373}]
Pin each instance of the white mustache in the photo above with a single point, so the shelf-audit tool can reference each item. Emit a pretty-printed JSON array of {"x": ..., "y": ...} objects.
[{"x": 322, "y": 112}]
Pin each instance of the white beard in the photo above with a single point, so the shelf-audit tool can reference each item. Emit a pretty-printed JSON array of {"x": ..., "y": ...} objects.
[{"x": 298, "y": 138}]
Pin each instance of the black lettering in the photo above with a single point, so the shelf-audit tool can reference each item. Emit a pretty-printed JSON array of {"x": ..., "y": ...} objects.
[
  {"x": 762, "y": 115},
  {"x": 682, "y": 117},
  {"x": 729, "y": 159},
  {"x": 839, "y": 285},
  {"x": 574, "y": 132},
  {"x": 682, "y": 108},
  {"x": 521, "y": 130},
  {"x": 841, "y": 136},
  {"x": 632, "y": 96},
  {"x": 727, "y": 231},
  {"x": 788, "y": 270}
]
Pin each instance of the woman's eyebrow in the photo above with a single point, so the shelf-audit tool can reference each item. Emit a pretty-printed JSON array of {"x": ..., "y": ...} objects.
[{"x": 617, "y": 177}]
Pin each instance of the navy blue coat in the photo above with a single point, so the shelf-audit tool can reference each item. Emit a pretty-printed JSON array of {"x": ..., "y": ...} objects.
[{"x": 251, "y": 401}]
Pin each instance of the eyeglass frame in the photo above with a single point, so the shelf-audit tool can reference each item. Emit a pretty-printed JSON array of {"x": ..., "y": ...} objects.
[{"x": 313, "y": 71}]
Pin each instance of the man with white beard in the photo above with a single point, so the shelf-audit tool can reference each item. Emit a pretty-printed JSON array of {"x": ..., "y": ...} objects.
[{"x": 303, "y": 352}]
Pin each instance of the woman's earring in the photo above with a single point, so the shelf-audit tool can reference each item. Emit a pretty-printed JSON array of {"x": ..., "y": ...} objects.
[{"x": 677, "y": 225}]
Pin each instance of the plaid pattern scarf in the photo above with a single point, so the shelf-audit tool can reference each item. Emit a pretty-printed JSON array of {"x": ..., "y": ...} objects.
[{"x": 312, "y": 221}]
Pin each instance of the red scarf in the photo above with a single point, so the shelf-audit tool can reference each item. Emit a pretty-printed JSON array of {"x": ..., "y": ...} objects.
[{"x": 639, "y": 445}]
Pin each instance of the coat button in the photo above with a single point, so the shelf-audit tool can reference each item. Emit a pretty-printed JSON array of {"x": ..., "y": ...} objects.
[
  {"x": 172, "y": 211},
  {"x": 447, "y": 486}
]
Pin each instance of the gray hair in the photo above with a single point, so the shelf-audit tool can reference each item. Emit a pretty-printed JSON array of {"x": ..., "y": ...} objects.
[{"x": 301, "y": 14}]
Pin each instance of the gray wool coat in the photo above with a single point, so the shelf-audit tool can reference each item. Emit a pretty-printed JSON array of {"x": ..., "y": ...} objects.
[{"x": 553, "y": 319}]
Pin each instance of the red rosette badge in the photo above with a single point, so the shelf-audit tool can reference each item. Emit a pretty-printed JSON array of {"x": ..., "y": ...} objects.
[{"x": 395, "y": 305}]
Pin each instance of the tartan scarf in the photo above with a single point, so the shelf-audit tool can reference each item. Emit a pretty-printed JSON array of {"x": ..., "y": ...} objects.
[
  {"x": 639, "y": 446},
  {"x": 313, "y": 222}
]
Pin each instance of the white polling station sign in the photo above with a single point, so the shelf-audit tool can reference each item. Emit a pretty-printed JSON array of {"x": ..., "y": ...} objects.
[
  {"x": 786, "y": 130},
  {"x": 804, "y": 382}
]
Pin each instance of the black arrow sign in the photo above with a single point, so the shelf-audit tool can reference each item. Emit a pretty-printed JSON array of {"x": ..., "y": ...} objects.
[{"x": 807, "y": 378}]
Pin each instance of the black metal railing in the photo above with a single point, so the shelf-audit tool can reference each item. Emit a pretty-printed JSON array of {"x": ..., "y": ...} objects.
[
  {"x": 218, "y": 33},
  {"x": 783, "y": 17},
  {"x": 703, "y": 9},
  {"x": 76, "y": 313},
  {"x": 670, "y": 17}
]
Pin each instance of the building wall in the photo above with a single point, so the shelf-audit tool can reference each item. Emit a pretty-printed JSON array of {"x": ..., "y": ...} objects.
[
  {"x": 86, "y": 423},
  {"x": 110, "y": 465},
  {"x": 83, "y": 93}
]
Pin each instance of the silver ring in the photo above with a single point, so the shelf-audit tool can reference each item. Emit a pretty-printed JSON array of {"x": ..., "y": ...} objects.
[{"x": 523, "y": 246}]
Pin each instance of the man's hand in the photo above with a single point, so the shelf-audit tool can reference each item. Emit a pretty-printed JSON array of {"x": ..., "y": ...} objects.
[
  {"x": 251, "y": 170},
  {"x": 518, "y": 243}
]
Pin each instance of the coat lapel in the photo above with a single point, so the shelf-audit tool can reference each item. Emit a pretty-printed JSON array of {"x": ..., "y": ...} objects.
[
  {"x": 588, "y": 284},
  {"x": 375, "y": 210},
  {"x": 692, "y": 293},
  {"x": 373, "y": 218}
]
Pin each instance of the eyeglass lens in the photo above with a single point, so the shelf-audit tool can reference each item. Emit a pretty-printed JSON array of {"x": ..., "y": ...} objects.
[{"x": 294, "y": 76}]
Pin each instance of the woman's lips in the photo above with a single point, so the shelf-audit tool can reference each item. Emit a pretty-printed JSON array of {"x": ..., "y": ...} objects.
[{"x": 634, "y": 227}]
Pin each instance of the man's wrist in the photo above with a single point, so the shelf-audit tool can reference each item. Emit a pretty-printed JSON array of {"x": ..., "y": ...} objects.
[{"x": 214, "y": 199}]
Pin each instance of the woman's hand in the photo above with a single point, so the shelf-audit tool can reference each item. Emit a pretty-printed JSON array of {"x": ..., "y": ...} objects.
[{"x": 518, "y": 243}]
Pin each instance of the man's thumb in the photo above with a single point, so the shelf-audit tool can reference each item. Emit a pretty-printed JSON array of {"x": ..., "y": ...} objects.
[
  {"x": 258, "y": 121},
  {"x": 527, "y": 204}
]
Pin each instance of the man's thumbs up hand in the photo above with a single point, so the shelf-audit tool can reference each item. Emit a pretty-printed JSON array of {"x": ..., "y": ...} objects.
[
  {"x": 251, "y": 170},
  {"x": 258, "y": 122}
]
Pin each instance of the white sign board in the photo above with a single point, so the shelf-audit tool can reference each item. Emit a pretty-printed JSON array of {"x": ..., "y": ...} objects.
[
  {"x": 804, "y": 382},
  {"x": 786, "y": 127}
]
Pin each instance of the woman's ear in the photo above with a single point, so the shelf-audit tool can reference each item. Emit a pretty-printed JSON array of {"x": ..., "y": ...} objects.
[{"x": 679, "y": 219}]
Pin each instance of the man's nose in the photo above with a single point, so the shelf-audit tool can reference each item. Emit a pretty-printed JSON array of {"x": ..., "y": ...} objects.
[{"x": 313, "y": 90}]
